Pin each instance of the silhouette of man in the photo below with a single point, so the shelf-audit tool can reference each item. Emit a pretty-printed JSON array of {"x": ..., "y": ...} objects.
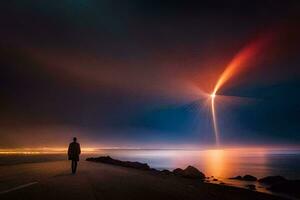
[{"x": 73, "y": 153}]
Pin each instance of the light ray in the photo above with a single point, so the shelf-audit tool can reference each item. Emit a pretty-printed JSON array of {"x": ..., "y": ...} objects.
[
  {"x": 239, "y": 61},
  {"x": 215, "y": 124}
]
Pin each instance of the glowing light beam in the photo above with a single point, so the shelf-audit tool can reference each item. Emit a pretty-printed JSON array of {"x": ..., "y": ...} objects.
[
  {"x": 239, "y": 61},
  {"x": 215, "y": 124}
]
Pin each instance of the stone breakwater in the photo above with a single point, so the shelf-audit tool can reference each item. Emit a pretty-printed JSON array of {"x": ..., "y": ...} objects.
[{"x": 188, "y": 172}]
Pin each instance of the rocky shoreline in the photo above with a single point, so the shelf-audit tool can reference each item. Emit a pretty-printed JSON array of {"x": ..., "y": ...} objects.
[
  {"x": 276, "y": 184},
  {"x": 188, "y": 172}
]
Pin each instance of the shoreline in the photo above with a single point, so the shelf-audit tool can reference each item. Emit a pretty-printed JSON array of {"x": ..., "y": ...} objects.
[
  {"x": 249, "y": 182},
  {"x": 104, "y": 181},
  {"x": 167, "y": 174}
]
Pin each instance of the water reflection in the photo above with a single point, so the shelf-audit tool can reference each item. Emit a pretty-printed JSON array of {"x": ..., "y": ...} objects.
[
  {"x": 228, "y": 163},
  {"x": 215, "y": 162},
  {"x": 221, "y": 163}
]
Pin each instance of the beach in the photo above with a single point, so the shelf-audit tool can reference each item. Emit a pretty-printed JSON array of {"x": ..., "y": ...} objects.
[{"x": 53, "y": 180}]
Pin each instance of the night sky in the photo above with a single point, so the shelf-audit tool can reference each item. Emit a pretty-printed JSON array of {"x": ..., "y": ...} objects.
[{"x": 137, "y": 73}]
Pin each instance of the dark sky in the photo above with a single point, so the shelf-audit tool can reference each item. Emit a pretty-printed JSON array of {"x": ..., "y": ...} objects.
[{"x": 133, "y": 73}]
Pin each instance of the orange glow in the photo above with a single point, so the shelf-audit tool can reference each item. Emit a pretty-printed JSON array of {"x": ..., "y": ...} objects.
[
  {"x": 222, "y": 163},
  {"x": 42, "y": 150},
  {"x": 240, "y": 61},
  {"x": 217, "y": 163}
]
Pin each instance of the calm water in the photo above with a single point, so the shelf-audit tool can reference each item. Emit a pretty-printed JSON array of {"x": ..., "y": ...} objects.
[{"x": 218, "y": 163}]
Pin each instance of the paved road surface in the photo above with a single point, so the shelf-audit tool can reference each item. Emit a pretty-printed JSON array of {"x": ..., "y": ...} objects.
[{"x": 53, "y": 180}]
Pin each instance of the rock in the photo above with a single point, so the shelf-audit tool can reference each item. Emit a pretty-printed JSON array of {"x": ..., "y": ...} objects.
[
  {"x": 249, "y": 178},
  {"x": 215, "y": 179},
  {"x": 222, "y": 183},
  {"x": 109, "y": 160},
  {"x": 178, "y": 172},
  {"x": 290, "y": 187},
  {"x": 166, "y": 172},
  {"x": 155, "y": 171},
  {"x": 271, "y": 180},
  {"x": 237, "y": 178},
  {"x": 245, "y": 178},
  {"x": 136, "y": 165},
  {"x": 251, "y": 187},
  {"x": 194, "y": 173}
]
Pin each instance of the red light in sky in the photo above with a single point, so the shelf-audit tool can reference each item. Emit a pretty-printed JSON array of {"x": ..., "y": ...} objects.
[{"x": 240, "y": 61}]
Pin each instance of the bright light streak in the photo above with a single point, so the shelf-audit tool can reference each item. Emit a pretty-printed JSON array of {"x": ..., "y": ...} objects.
[
  {"x": 215, "y": 124},
  {"x": 240, "y": 60}
]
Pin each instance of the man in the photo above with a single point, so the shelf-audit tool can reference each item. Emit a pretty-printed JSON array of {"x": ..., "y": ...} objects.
[{"x": 73, "y": 153}]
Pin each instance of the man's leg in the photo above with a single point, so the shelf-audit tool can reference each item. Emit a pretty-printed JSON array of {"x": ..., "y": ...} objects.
[{"x": 75, "y": 166}]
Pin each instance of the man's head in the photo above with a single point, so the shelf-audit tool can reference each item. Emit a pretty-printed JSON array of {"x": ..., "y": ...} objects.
[{"x": 74, "y": 139}]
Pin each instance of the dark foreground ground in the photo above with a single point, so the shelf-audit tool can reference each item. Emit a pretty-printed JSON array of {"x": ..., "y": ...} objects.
[{"x": 52, "y": 180}]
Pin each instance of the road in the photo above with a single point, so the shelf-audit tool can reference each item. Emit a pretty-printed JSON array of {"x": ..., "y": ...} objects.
[{"x": 53, "y": 180}]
